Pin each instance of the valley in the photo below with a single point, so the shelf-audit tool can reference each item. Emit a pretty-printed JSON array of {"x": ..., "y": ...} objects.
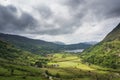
[
  {"x": 22, "y": 58},
  {"x": 59, "y": 66},
  {"x": 59, "y": 39}
]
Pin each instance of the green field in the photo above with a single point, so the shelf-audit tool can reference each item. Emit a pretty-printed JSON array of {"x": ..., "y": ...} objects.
[
  {"x": 61, "y": 66},
  {"x": 71, "y": 67}
]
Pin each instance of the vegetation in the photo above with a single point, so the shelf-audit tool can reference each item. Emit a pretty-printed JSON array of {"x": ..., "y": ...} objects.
[
  {"x": 104, "y": 54},
  {"x": 64, "y": 66},
  {"x": 71, "y": 67},
  {"x": 100, "y": 62},
  {"x": 18, "y": 64},
  {"x": 39, "y": 46},
  {"x": 107, "y": 52}
]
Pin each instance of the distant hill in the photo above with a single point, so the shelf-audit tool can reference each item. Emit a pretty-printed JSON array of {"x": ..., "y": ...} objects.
[
  {"x": 77, "y": 46},
  {"x": 9, "y": 52},
  {"x": 59, "y": 43},
  {"x": 92, "y": 42},
  {"x": 32, "y": 45},
  {"x": 39, "y": 46},
  {"x": 107, "y": 52}
]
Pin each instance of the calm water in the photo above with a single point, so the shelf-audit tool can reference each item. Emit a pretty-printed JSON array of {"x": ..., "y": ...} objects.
[{"x": 75, "y": 51}]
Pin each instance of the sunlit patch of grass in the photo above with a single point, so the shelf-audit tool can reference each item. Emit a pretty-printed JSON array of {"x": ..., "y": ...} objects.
[
  {"x": 69, "y": 60},
  {"x": 22, "y": 78}
]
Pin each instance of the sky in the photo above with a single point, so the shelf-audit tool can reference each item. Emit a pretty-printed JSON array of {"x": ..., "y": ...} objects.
[{"x": 68, "y": 21}]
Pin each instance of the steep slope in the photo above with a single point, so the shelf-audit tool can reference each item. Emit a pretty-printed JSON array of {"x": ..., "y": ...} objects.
[
  {"x": 114, "y": 34},
  {"x": 16, "y": 64},
  {"x": 9, "y": 52},
  {"x": 38, "y": 46},
  {"x": 35, "y": 46},
  {"x": 107, "y": 52}
]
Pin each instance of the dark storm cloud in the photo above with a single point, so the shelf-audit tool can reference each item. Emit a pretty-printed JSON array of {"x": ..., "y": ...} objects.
[
  {"x": 80, "y": 11},
  {"x": 104, "y": 8},
  {"x": 60, "y": 26},
  {"x": 113, "y": 8},
  {"x": 99, "y": 8},
  {"x": 10, "y": 22}
]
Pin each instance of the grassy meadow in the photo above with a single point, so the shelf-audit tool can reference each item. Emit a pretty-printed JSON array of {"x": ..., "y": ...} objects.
[{"x": 61, "y": 66}]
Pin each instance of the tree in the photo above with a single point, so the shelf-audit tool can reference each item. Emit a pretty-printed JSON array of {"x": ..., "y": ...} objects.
[
  {"x": 11, "y": 71},
  {"x": 57, "y": 75}
]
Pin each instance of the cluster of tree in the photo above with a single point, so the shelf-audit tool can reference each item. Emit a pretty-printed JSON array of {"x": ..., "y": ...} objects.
[
  {"x": 104, "y": 54},
  {"x": 7, "y": 51}
]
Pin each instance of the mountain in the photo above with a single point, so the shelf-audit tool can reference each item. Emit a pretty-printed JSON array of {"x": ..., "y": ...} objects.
[
  {"x": 32, "y": 45},
  {"x": 113, "y": 35},
  {"x": 7, "y": 51},
  {"x": 107, "y": 52},
  {"x": 16, "y": 64},
  {"x": 38, "y": 46},
  {"x": 11, "y": 53},
  {"x": 59, "y": 43},
  {"x": 91, "y": 42},
  {"x": 77, "y": 46}
]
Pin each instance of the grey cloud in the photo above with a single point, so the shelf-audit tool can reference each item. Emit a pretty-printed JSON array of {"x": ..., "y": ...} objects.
[
  {"x": 45, "y": 11},
  {"x": 74, "y": 3},
  {"x": 54, "y": 31},
  {"x": 65, "y": 26},
  {"x": 10, "y": 22},
  {"x": 102, "y": 9},
  {"x": 114, "y": 8},
  {"x": 78, "y": 10}
]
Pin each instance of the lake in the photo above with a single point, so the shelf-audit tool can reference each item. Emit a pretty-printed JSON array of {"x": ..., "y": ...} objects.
[{"x": 75, "y": 51}]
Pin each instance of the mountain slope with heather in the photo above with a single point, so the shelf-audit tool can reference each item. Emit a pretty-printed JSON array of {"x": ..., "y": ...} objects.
[{"x": 107, "y": 52}]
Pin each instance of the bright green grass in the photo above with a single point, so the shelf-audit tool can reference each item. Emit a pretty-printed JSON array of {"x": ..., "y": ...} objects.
[
  {"x": 22, "y": 78},
  {"x": 70, "y": 60},
  {"x": 70, "y": 68}
]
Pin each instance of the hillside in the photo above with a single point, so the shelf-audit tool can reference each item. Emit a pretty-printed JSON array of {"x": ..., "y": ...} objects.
[
  {"x": 35, "y": 46},
  {"x": 77, "y": 46},
  {"x": 16, "y": 64},
  {"x": 39, "y": 46},
  {"x": 114, "y": 34},
  {"x": 59, "y": 43},
  {"x": 107, "y": 52},
  {"x": 9, "y": 52}
]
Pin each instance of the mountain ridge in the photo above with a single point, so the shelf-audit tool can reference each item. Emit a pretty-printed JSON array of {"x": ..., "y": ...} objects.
[
  {"x": 39, "y": 46},
  {"x": 107, "y": 52},
  {"x": 113, "y": 35}
]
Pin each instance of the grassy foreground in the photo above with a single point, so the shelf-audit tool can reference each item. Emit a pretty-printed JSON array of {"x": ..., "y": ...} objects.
[
  {"x": 70, "y": 67},
  {"x": 61, "y": 66}
]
